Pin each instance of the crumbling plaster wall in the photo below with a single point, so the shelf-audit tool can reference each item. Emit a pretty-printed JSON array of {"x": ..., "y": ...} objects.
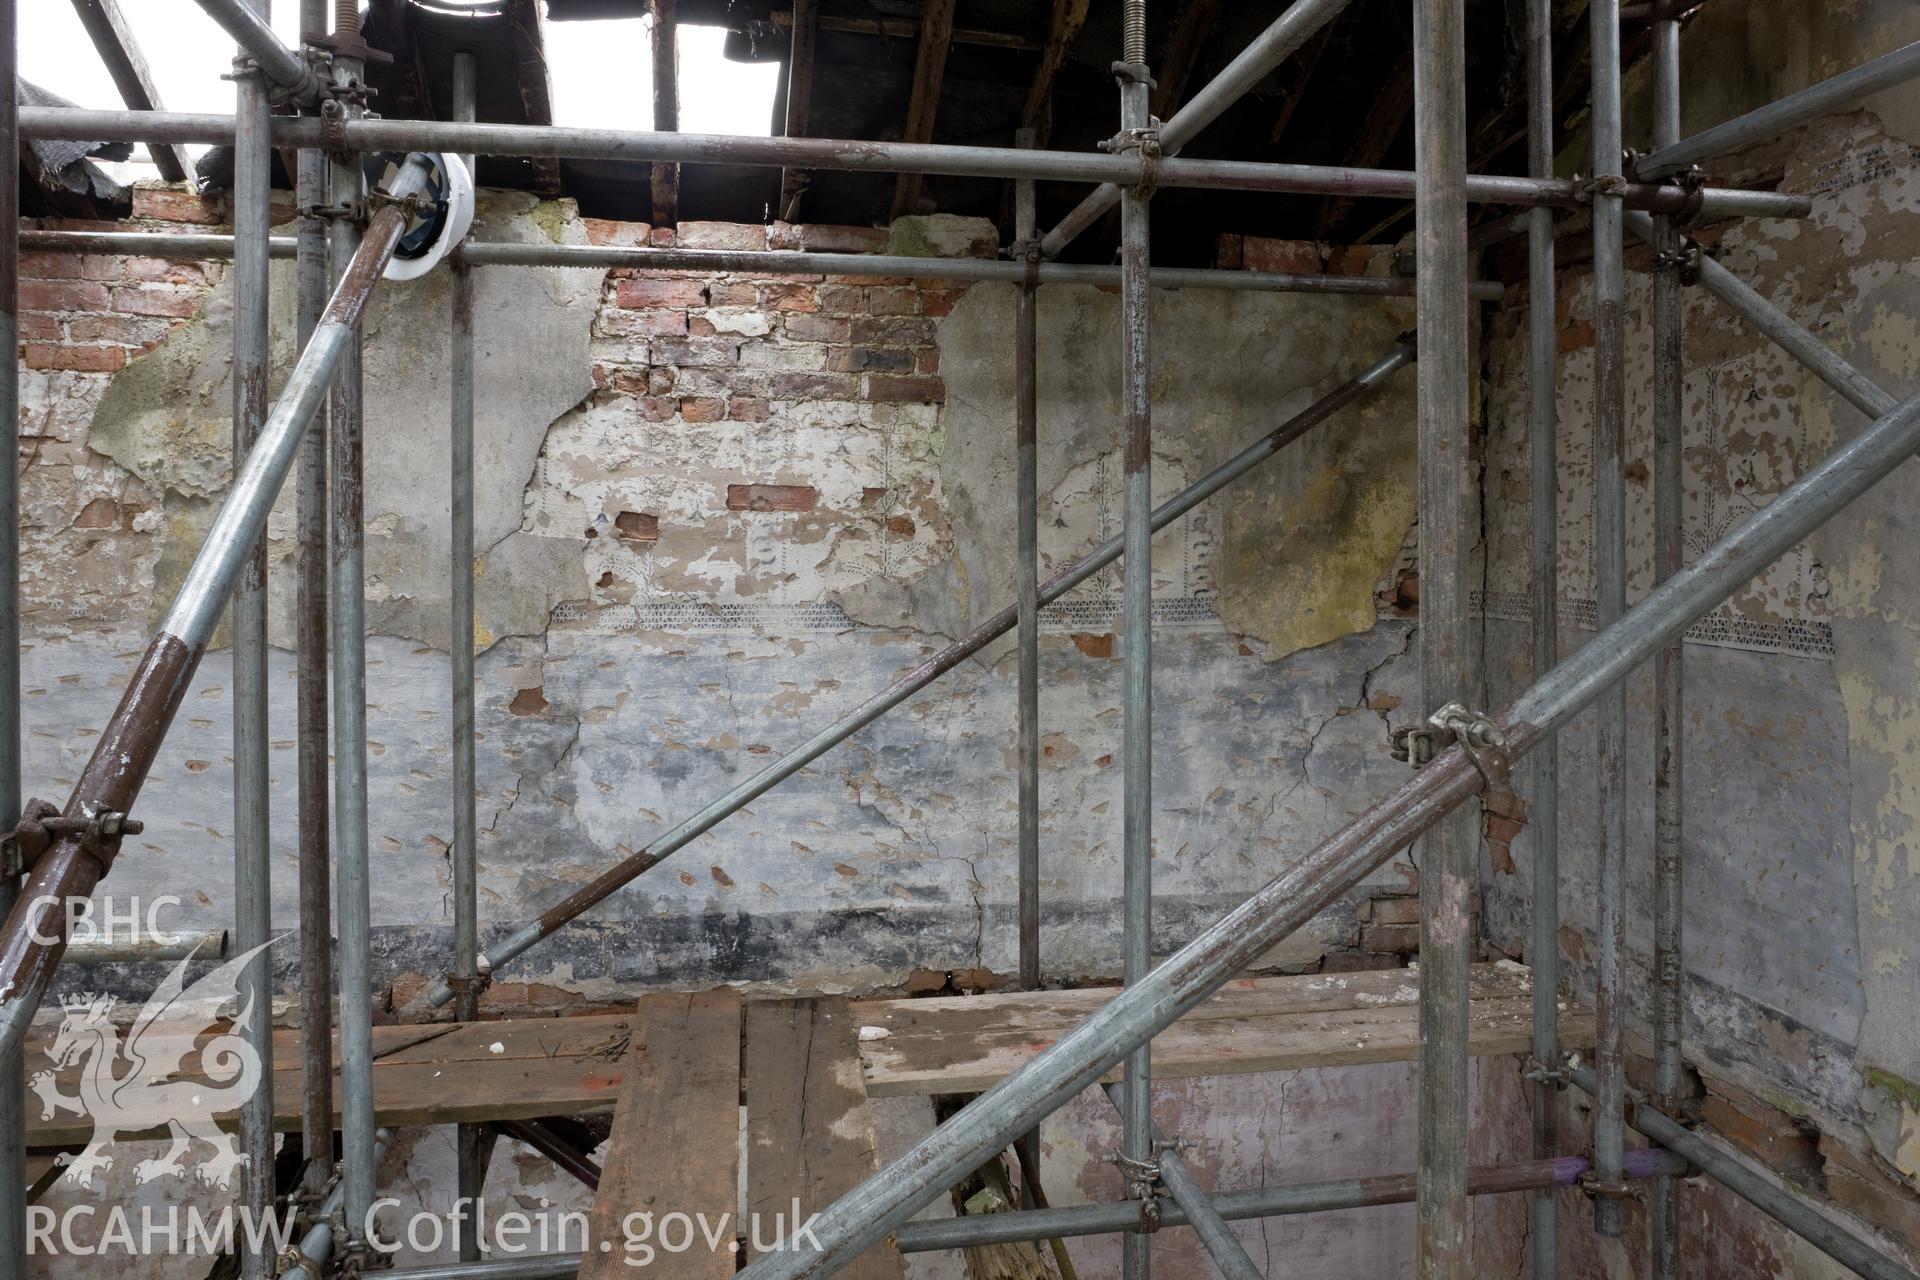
[
  {"x": 1803, "y": 889},
  {"x": 716, "y": 512}
]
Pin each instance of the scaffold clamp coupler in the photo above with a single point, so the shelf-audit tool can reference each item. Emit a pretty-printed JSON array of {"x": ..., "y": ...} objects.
[
  {"x": 1604, "y": 184},
  {"x": 1028, "y": 254},
  {"x": 1540, "y": 1073},
  {"x": 474, "y": 986},
  {"x": 1415, "y": 744},
  {"x": 1480, "y": 738},
  {"x": 98, "y": 829},
  {"x": 1685, "y": 260},
  {"x": 1596, "y": 1188},
  {"x": 21, "y": 847},
  {"x": 292, "y": 1259},
  {"x": 354, "y": 211},
  {"x": 1143, "y": 1184},
  {"x": 333, "y": 124},
  {"x": 412, "y": 205},
  {"x": 1144, "y": 143},
  {"x": 1693, "y": 181}
]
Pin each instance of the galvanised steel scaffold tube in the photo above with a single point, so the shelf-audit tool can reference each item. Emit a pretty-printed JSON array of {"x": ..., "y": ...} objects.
[
  {"x": 746, "y": 792},
  {"x": 978, "y": 1230},
  {"x": 147, "y": 948},
  {"x": 252, "y": 825},
  {"x": 552, "y": 1266},
  {"x": 772, "y": 262},
  {"x": 1280, "y": 41},
  {"x": 1026, "y": 584},
  {"x": 1543, "y": 485},
  {"x": 1136, "y": 643},
  {"x": 555, "y": 142},
  {"x": 1610, "y": 573},
  {"x": 1266, "y": 1202},
  {"x": 1777, "y": 326},
  {"x": 353, "y": 875},
  {"x": 13, "y": 1085},
  {"x": 1185, "y": 1190},
  {"x": 1026, "y": 574},
  {"x": 1784, "y": 1207},
  {"x": 126, "y": 747},
  {"x": 315, "y": 852},
  {"x": 250, "y": 30},
  {"x": 472, "y": 1142},
  {"x": 319, "y": 1243},
  {"x": 865, "y": 1215},
  {"x": 1669, "y": 680},
  {"x": 1450, "y": 858},
  {"x": 1885, "y": 72}
]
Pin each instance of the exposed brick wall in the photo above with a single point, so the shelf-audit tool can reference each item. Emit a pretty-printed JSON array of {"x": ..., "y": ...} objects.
[
  {"x": 88, "y": 528},
  {"x": 681, "y": 347},
  {"x": 1295, "y": 257},
  {"x": 92, "y": 314},
  {"x": 698, "y": 347}
]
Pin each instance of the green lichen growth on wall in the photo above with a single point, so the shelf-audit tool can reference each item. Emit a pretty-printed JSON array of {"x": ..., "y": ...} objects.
[
  {"x": 1895, "y": 1086},
  {"x": 551, "y": 217}
]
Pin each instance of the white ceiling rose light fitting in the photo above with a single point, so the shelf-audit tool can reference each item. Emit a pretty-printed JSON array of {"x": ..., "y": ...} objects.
[{"x": 446, "y": 217}]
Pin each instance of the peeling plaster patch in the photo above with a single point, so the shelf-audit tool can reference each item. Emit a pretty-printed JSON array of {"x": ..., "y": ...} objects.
[
  {"x": 712, "y": 542},
  {"x": 167, "y": 419},
  {"x": 1299, "y": 569},
  {"x": 1877, "y": 644}
]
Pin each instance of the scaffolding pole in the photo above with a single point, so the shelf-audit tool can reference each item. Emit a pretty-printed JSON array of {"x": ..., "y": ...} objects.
[
  {"x": 1275, "y": 45},
  {"x": 1266, "y": 1202},
  {"x": 1610, "y": 571},
  {"x": 1669, "y": 495},
  {"x": 746, "y": 792},
  {"x": 310, "y": 661},
  {"x": 125, "y": 749},
  {"x": 1026, "y": 482},
  {"x": 773, "y": 262},
  {"x": 865, "y": 1215},
  {"x": 1784, "y": 1207},
  {"x": 1778, "y": 327},
  {"x": 980, "y": 1230},
  {"x": 352, "y": 871},
  {"x": 1886, "y": 72},
  {"x": 13, "y": 1092},
  {"x": 247, "y": 22},
  {"x": 555, "y": 142},
  {"x": 472, "y": 1140},
  {"x": 1136, "y": 737},
  {"x": 1185, "y": 1191},
  {"x": 1543, "y": 424},
  {"x": 252, "y": 827},
  {"x": 1449, "y": 865}
]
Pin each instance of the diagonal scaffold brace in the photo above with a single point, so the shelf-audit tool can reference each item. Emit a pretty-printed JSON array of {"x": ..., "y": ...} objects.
[
  {"x": 869, "y": 1212},
  {"x": 746, "y": 792},
  {"x": 125, "y": 752}
]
